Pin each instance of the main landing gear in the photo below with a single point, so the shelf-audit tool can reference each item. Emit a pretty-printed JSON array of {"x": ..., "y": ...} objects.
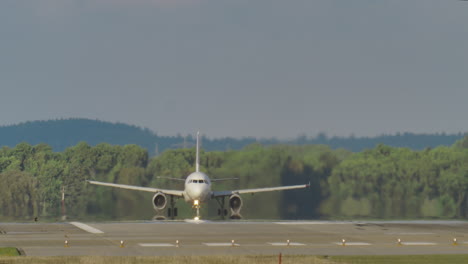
[
  {"x": 172, "y": 210},
  {"x": 222, "y": 211}
]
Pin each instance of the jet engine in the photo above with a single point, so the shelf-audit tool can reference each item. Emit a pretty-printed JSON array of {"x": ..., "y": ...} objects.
[
  {"x": 235, "y": 203},
  {"x": 159, "y": 201}
]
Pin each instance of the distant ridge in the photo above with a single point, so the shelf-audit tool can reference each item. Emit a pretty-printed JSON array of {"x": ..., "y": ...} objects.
[{"x": 63, "y": 133}]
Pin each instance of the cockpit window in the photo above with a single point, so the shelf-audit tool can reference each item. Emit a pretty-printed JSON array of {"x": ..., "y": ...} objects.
[
  {"x": 190, "y": 181},
  {"x": 195, "y": 181},
  {"x": 200, "y": 181}
]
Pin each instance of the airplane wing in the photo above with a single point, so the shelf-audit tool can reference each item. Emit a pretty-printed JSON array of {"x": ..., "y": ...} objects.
[
  {"x": 223, "y": 179},
  {"x": 139, "y": 188},
  {"x": 268, "y": 189}
]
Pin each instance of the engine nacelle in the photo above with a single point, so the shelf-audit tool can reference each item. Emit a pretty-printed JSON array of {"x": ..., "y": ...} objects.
[
  {"x": 235, "y": 203},
  {"x": 159, "y": 201}
]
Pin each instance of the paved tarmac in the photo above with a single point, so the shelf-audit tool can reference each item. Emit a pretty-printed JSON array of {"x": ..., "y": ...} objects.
[{"x": 153, "y": 238}]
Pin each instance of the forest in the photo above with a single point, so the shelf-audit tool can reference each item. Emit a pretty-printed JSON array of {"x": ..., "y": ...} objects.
[{"x": 380, "y": 183}]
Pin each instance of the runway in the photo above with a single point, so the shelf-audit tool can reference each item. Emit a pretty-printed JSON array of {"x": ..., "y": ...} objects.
[{"x": 155, "y": 238}]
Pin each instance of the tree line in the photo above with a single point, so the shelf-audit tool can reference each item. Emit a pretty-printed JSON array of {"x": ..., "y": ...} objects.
[{"x": 381, "y": 182}]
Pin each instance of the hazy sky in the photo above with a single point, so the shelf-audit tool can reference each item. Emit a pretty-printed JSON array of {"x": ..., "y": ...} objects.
[{"x": 238, "y": 68}]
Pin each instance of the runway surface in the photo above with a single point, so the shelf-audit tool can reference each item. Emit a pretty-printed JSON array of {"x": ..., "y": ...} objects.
[{"x": 151, "y": 238}]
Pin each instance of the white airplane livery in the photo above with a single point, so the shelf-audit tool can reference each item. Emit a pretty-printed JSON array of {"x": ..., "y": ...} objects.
[{"x": 197, "y": 191}]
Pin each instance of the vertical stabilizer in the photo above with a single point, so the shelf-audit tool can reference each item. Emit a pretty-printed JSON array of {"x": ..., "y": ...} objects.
[{"x": 197, "y": 159}]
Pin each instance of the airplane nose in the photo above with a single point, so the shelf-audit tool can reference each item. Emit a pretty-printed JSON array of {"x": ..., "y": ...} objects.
[
  {"x": 195, "y": 193},
  {"x": 198, "y": 193}
]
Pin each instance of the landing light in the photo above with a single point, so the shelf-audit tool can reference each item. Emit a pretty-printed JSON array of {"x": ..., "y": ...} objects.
[
  {"x": 196, "y": 218},
  {"x": 195, "y": 202}
]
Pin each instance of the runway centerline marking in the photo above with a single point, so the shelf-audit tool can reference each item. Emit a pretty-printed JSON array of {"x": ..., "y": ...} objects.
[
  {"x": 286, "y": 244},
  {"x": 156, "y": 245},
  {"x": 87, "y": 228},
  {"x": 220, "y": 244}
]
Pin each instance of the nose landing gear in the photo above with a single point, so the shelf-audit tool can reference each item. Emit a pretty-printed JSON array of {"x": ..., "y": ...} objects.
[{"x": 196, "y": 205}]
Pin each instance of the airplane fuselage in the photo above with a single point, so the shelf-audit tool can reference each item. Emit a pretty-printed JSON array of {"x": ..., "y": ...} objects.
[{"x": 197, "y": 187}]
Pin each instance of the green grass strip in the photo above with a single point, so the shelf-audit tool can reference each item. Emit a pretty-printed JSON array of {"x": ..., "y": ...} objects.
[
  {"x": 8, "y": 252},
  {"x": 404, "y": 259}
]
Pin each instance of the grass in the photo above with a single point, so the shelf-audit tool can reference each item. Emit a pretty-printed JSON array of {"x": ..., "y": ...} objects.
[
  {"x": 8, "y": 252},
  {"x": 412, "y": 259}
]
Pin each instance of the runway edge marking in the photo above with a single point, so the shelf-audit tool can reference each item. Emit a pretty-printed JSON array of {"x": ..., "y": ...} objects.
[{"x": 87, "y": 228}]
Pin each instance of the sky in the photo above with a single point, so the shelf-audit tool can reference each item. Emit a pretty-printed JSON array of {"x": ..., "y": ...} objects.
[{"x": 262, "y": 68}]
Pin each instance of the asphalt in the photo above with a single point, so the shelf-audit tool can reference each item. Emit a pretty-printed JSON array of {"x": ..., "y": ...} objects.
[{"x": 154, "y": 238}]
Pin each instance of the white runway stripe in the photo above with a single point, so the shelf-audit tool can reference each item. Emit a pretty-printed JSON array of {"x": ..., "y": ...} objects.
[
  {"x": 285, "y": 244},
  {"x": 87, "y": 228},
  {"x": 156, "y": 245},
  {"x": 410, "y": 234},
  {"x": 313, "y": 223},
  {"x": 418, "y": 243},
  {"x": 220, "y": 244},
  {"x": 354, "y": 244}
]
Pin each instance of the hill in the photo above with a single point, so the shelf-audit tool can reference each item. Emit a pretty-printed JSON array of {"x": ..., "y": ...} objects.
[{"x": 63, "y": 133}]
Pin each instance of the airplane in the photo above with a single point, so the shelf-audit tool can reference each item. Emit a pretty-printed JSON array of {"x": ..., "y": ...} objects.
[{"x": 197, "y": 191}]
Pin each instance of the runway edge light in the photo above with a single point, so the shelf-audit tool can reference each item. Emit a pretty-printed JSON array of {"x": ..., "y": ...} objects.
[
  {"x": 66, "y": 243},
  {"x": 399, "y": 242},
  {"x": 122, "y": 244},
  {"x": 177, "y": 243},
  {"x": 343, "y": 242},
  {"x": 455, "y": 242}
]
